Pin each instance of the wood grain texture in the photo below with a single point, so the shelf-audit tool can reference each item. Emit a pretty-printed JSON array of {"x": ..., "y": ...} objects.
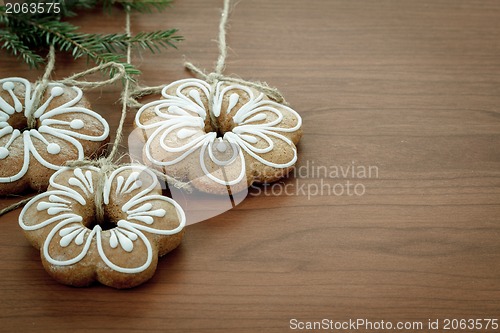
[{"x": 411, "y": 87}]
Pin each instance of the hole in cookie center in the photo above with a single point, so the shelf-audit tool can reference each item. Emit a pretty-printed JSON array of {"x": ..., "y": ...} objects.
[
  {"x": 222, "y": 125},
  {"x": 220, "y": 133},
  {"x": 14, "y": 105},
  {"x": 107, "y": 224},
  {"x": 103, "y": 217},
  {"x": 18, "y": 121}
]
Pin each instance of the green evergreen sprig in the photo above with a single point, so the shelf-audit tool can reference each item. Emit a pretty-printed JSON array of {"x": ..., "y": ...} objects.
[{"x": 27, "y": 35}]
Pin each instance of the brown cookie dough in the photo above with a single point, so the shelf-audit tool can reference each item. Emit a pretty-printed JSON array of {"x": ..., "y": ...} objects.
[
  {"x": 121, "y": 251},
  {"x": 66, "y": 129},
  {"x": 241, "y": 138}
]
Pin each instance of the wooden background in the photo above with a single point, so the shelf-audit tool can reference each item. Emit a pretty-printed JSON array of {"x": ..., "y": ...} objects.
[{"x": 411, "y": 87}]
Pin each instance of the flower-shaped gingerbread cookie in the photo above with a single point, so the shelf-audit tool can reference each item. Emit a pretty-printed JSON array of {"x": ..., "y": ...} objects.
[
  {"x": 66, "y": 130},
  {"x": 239, "y": 138},
  {"x": 122, "y": 252}
]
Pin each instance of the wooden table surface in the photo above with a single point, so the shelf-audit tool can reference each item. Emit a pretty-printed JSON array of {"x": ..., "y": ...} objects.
[{"x": 408, "y": 88}]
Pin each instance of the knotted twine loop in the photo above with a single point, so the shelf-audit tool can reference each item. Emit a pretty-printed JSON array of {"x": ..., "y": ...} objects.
[
  {"x": 212, "y": 78},
  {"x": 272, "y": 93},
  {"x": 41, "y": 86},
  {"x": 107, "y": 165},
  {"x": 137, "y": 91},
  {"x": 217, "y": 75},
  {"x": 43, "y": 83}
]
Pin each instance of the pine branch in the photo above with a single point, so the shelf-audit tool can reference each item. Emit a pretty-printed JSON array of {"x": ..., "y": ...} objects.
[
  {"x": 12, "y": 43},
  {"x": 142, "y": 6},
  {"x": 22, "y": 34},
  {"x": 154, "y": 41}
]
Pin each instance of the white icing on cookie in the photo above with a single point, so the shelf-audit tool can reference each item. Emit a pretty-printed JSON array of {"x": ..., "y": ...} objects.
[
  {"x": 58, "y": 205},
  {"x": 183, "y": 115},
  {"x": 48, "y": 128}
]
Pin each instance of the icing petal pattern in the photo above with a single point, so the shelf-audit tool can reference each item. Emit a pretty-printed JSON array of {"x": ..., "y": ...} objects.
[
  {"x": 142, "y": 217},
  {"x": 50, "y": 127},
  {"x": 178, "y": 127}
]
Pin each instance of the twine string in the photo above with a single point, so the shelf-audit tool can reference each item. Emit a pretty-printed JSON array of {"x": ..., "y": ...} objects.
[
  {"x": 217, "y": 75},
  {"x": 221, "y": 60},
  {"x": 105, "y": 164},
  {"x": 73, "y": 80},
  {"x": 129, "y": 95},
  {"x": 41, "y": 85},
  {"x": 212, "y": 78},
  {"x": 15, "y": 206},
  {"x": 272, "y": 93},
  {"x": 137, "y": 91}
]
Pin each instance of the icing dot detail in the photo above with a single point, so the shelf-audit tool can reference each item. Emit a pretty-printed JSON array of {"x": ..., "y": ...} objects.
[
  {"x": 77, "y": 124},
  {"x": 18, "y": 107},
  {"x": 8, "y": 85},
  {"x": 176, "y": 110},
  {"x": 255, "y": 119},
  {"x": 249, "y": 138},
  {"x": 185, "y": 133},
  {"x": 258, "y": 117},
  {"x": 57, "y": 91},
  {"x": 52, "y": 121},
  {"x": 221, "y": 147},
  {"x": 233, "y": 100},
  {"x": 193, "y": 93},
  {"x": 53, "y": 148},
  {"x": 52, "y": 213},
  {"x": 3, "y": 153}
]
